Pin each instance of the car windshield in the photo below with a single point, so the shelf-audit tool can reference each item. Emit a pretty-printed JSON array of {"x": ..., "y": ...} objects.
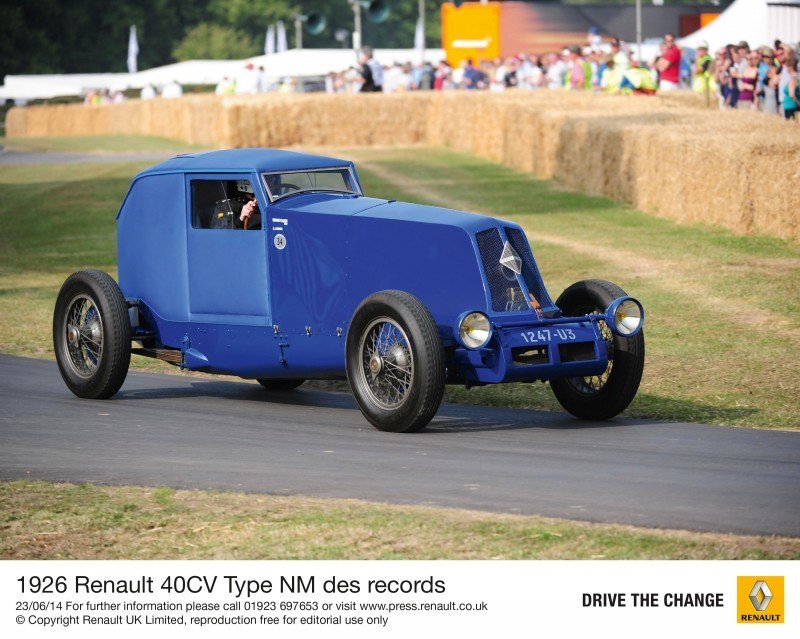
[{"x": 282, "y": 184}]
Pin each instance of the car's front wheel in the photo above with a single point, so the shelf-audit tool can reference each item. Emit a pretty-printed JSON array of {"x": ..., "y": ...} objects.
[
  {"x": 92, "y": 334},
  {"x": 603, "y": 396},
  {"x": 395, "y": 362}
]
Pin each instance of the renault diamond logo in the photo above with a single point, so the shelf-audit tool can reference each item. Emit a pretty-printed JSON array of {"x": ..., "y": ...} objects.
[
  {"x": 510, "y": 259},
  {"x": 760, "y": 596},
  {"x": 760, "y": 599}
]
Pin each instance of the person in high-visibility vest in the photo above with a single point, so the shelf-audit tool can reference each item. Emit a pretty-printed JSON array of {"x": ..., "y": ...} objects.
[
  {"x": 611, "y": 78},
  {"x": 638, "y": 80},
  {"x": 703, "y": 82},
  {"x": 579, "y": 71}
]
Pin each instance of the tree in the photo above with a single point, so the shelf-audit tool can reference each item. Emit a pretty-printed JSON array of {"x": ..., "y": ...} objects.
[
  {"x": 397, "y": 32},
  {"x": 252, "y": 15},
  {"x": 87, "y": 36},
  {"x": 214, "y": 42}
]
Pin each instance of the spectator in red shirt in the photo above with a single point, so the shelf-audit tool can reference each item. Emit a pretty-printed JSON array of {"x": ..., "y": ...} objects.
[{"x": 669, "y": 65}]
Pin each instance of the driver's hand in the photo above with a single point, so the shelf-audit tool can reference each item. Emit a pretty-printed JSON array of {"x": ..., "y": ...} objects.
[{"x": 247, "y": 210}]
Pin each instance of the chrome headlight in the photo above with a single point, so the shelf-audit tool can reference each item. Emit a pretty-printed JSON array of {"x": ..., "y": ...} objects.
[
  {"x": 625, "y": 316},
  {"x": 474, "y": 330}
]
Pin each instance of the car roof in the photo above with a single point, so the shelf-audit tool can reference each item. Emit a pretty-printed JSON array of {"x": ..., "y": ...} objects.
[{"x": 243, "y": 161}]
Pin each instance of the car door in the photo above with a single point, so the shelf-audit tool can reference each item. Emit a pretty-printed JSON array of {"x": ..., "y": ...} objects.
[{"x": 227, "y": 265}]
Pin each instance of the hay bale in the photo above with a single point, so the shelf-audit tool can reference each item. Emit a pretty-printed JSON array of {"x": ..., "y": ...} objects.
[{"x": 669, "y": 155}]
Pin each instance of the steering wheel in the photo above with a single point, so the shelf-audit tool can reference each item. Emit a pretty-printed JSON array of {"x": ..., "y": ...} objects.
[
  {"x": 246, "y": 222},
  {"x": 290, "y": 185}
]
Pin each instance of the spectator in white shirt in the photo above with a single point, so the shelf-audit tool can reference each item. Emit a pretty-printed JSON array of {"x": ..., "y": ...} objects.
[
  {"x": 172, "y": 90},
  {"x": 556, "y": 70},
  {"x": 247, "y": 80}
]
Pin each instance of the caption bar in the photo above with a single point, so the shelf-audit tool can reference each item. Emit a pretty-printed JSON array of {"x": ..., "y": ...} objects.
[{"x": 398, "y": 599}]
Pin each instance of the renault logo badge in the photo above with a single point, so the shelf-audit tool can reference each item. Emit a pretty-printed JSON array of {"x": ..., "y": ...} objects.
[{"x": 760, "y": 595}]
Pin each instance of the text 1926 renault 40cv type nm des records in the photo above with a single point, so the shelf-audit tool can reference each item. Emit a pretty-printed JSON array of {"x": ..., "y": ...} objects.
[{"x": 274, "y": 266}]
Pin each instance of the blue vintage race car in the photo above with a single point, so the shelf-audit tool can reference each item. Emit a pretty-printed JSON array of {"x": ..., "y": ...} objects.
[{"x": 274, "y": 266}]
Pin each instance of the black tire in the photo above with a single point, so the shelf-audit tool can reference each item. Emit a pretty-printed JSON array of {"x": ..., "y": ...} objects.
[
  {"x": 280, "y": 384},
  {"x": 404, "y": 389},
  {"x": 596, "y": 398},
  {"x": 92, "y": 335}
]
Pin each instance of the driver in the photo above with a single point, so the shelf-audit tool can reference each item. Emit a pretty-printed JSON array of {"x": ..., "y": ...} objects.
[
  {"x": 238, "y": 212},
  {"x": 251, "y": 214}
]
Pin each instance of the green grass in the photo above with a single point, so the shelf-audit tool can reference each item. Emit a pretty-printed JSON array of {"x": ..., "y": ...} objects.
[
  {"x": 723, "y": 326},
  {"x": 98, "y": 144},
  {"x": 40, "y": 520}
]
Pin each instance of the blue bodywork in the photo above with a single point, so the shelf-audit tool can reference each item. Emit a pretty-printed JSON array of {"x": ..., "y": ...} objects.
[{"x": 232, "y": 302}]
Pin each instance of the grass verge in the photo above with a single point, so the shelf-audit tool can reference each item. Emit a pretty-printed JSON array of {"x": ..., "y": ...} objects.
[
  {"x": 97, "y": 144},
  {"x": 41, "y": 520}
]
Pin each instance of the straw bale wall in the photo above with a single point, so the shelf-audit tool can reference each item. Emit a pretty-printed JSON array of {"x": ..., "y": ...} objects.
[
  {"x": 197, "y": 120},
  {"x": 665, "y": 155}
]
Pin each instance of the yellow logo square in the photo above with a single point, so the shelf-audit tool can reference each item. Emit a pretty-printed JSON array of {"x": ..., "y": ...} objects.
[{"x": 759, "y": 600}]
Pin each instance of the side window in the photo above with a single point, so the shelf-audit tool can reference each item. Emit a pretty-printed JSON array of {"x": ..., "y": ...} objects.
[{"x": 218, "y": 204}]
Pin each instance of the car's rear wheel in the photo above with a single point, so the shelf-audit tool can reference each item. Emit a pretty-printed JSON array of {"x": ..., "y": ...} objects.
[
  {"x": 603, "y": 396},
  {"x": 92, "y": 335},
  {"x": 395, "y": 362},
  {"x": 280, "y": 384}
]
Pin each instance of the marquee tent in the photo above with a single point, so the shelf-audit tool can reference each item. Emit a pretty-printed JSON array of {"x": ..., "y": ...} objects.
[
  {"x": 294, "y": 63},
  {"x": 758, "y": 22}
]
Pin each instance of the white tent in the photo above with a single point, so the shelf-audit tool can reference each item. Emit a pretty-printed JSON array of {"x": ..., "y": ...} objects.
[
  {"x": 758, "y": 22},
  {"x": 295, "y": 63},
  {"x": 32, "y": 87},
  {"x": 307, "y": 63}
]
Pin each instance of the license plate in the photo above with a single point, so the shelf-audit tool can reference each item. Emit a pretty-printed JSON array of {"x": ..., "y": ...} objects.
[{"x": 545, "y": 335}]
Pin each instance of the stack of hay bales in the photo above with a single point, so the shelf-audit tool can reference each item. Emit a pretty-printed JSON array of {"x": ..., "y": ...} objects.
[
  {"x": 197, "y": 120},
  {"x": 334, "y": 120},
  {"x": 665, "y": 155}
]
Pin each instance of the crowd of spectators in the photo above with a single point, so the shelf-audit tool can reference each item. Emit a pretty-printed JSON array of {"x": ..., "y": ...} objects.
[
  {"x": 103, "y": 96},
  {"x": 738, "y": 77},
  {"x": 171, "y": 89},
  {"x": 762, "y": 79}
]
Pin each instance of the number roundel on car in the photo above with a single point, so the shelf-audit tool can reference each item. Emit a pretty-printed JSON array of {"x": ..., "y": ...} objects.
[{"x": 279, "y": 241}]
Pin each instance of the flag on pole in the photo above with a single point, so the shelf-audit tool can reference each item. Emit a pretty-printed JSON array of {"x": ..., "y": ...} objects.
[
  {"x": 283, "y": 45},
  {"x": 269, "y": 41},
  {"x": 419, "y": 40},
  {"x": 133, "y": 50}
]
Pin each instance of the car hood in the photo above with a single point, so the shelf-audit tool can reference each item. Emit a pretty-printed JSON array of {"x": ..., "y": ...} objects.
[
  {"x": 335, "y": 204},
  {"x": 326, "y": 203}
]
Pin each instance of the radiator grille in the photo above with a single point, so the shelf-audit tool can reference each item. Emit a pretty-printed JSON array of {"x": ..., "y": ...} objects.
[
  {"x": 503, "y": 286},
  {"x": 530, "y": 272}
]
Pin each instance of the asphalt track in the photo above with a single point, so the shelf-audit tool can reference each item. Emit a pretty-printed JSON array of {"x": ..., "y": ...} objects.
[
  {"x": 9, "y": 156},
  {"x": 190, "y": 432}
]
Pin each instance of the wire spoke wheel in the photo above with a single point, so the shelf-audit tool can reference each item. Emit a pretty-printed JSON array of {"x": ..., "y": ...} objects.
[
  {"x": 83, "y": 335},
  {"x": 92, "y": 334},
  {"x": 387, "y": 363},
  {"x": 395, "y": 361},
  {"x": 593, "y": 384},
  {"x": 604, "y": 395}
]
